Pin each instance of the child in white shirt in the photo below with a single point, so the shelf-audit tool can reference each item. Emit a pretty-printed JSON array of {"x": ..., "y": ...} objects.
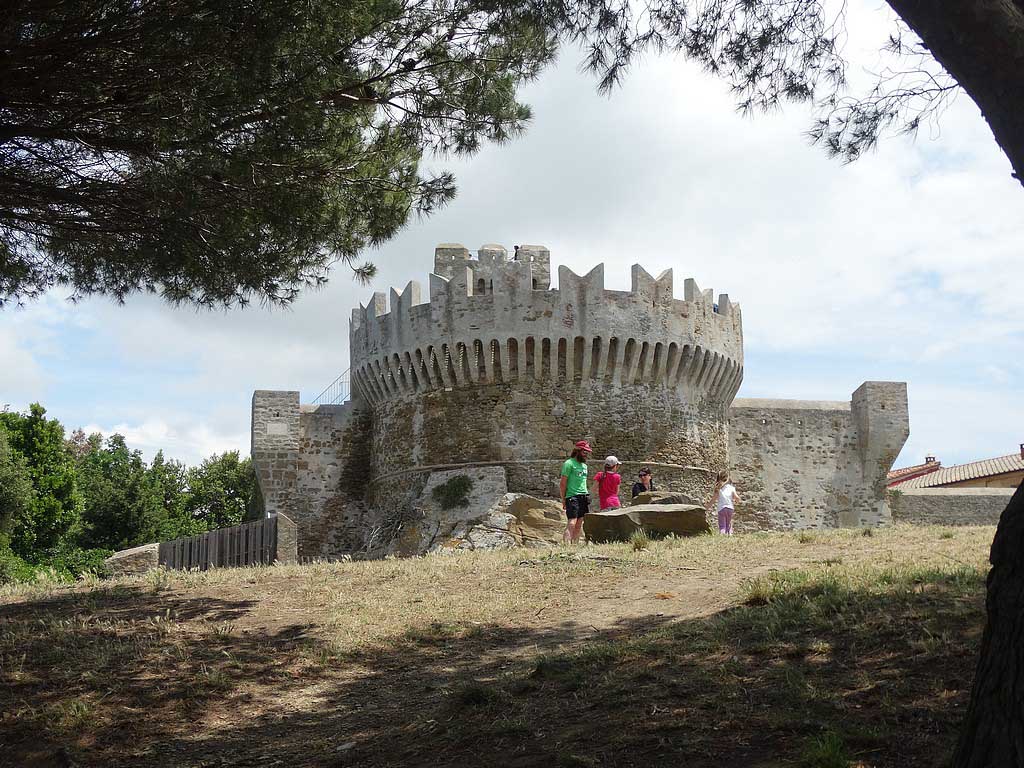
[{"x": 725, "y": 501}]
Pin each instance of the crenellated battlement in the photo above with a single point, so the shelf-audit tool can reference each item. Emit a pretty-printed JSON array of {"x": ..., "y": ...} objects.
[
  {"x": 448, "y": 257},
  {"x": 484, "y": 317}
]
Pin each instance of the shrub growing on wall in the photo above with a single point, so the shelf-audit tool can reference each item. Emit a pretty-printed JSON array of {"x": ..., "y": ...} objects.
[{"x": 454, "y": 492}]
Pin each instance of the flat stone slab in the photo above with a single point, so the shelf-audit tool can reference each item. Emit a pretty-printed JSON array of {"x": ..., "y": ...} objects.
[
  {"x": 657, "y": 519},
  {"x": 661, "y": 497}
]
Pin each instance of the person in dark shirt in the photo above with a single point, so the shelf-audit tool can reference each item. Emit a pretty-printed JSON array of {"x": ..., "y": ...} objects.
[{"x": 645, "y": 483}]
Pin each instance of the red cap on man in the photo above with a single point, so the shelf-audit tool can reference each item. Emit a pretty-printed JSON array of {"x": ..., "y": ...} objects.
[{"x": 583, "y": 445}]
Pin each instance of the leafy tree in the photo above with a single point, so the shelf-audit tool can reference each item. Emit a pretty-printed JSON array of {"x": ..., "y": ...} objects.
[
  {"x": 221, "y": 491},
  {"x": 116, "y": 500},
  {"x": 54, "y": 512},
  {"x": 220, "y": 150},
  {"x": 169, "y": 478},
  {"x": 16, "y": 494},
  {"x": 124, "y": 504},
  {"x": 13, "y": 568},
  {"x": 80, "y": 444}
]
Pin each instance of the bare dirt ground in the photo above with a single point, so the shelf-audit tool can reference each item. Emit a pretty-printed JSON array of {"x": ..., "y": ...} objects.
[{"x": 823, "y": 649}]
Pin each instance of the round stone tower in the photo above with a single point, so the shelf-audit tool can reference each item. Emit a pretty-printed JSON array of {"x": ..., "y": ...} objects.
[{"x": 499, "y": 368}]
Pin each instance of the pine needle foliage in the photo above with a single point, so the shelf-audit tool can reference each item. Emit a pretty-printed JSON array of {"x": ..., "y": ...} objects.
[
  {"x": 220, "y": 151},
  {"x": 217, "y": 152}
]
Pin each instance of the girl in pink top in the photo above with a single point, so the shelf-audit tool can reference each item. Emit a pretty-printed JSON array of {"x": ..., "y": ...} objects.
[{"x": 607, "y": 483}]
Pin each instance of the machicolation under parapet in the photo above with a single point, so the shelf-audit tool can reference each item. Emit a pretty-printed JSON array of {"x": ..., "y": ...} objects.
[{"x": 495, "y": 320}]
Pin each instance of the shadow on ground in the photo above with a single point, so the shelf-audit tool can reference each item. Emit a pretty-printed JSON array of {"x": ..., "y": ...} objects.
[{"x": 806, "y": 673}]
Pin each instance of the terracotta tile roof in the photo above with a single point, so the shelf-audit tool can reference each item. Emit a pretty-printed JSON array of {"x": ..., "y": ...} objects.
[
  {"x": 960, "y": 472},
  {"x": 908, "y": 472}
]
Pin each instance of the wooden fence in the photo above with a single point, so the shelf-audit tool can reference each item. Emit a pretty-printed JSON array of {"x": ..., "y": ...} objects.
[{"x": 261, "y": 542}]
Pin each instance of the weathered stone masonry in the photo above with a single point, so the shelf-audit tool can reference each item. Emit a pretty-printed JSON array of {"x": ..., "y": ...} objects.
[
  {"x": 499, "y": 369},
  {"x": 813, "y": 464}
]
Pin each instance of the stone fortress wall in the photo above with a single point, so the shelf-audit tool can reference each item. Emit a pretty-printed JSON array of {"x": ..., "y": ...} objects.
[
  {"x": 812, "y": 464},
  {"x": 949, "y": 506},
  {"x": 498, "y": 369}
]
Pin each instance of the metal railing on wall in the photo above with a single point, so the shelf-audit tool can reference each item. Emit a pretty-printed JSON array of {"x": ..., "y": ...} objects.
[{"x": 337, "y": 392}]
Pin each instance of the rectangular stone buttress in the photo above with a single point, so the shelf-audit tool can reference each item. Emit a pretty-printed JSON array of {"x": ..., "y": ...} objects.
[{"x": 275, "y": 448}]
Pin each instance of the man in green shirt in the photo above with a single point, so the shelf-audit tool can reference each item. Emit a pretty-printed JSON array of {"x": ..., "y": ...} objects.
[{"x": 573, "y": 486}]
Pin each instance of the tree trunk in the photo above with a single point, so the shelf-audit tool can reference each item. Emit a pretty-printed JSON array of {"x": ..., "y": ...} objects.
[
  {"x": 993, "y": 733},
  {"x": 981, "y": 44}
]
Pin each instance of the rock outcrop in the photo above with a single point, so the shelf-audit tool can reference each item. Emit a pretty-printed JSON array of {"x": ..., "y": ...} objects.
[
  {"x": 486, "y": 517},
  {"x": 517, "y": 520}
]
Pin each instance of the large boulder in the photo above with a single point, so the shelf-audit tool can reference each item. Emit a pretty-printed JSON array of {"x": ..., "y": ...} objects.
[
  {"x": 129, "y": 562},
  {"x": 516, "y": 520},
  {"x": 656, "y": 519},
  {"x": 535, "y": 522},
  {"x": 661, "y": 497}
]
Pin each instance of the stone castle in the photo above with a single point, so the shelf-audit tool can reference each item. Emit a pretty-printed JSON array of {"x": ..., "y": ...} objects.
[{"x": 497, "y": 374}]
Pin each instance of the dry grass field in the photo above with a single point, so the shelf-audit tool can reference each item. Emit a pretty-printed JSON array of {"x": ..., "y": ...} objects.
[{"x": 813, "y": 649}]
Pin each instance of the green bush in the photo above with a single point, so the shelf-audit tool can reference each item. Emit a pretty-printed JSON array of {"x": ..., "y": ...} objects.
[
  {"x": 75, "y": 563},
  {"x": 453, "y": 493},
  {"x": 13, "y": 569}
]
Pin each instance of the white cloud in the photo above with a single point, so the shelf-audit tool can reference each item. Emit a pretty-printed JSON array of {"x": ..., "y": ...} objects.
[
  {"x": 29, "y": 336},
  {"x": 20, "y": 374},
  {"x": 186, "y": 441}
]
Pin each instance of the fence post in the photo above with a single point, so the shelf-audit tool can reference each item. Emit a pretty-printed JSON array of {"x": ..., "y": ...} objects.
[{"x": 286, "y": 540}]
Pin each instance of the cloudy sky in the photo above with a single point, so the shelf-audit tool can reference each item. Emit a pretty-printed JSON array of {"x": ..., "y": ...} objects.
[{"x": 898, "y": 267}]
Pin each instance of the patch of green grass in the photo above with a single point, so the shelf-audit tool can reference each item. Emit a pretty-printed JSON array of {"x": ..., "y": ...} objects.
[
  {"x": 758, "y": 591},
  {"x": 946, "y": 535},
  {"x": 70, "y": 715},
  {"x": 436, "y": 631},
  {"x": 639, "y": 540},
  {"x": 477, "y": 694},
  {"x": 796, "y": 683},
  {"x": 319, "y": 656},
  {"x": 826, "y": 751},
  {"x": 561, "y": 671}
]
